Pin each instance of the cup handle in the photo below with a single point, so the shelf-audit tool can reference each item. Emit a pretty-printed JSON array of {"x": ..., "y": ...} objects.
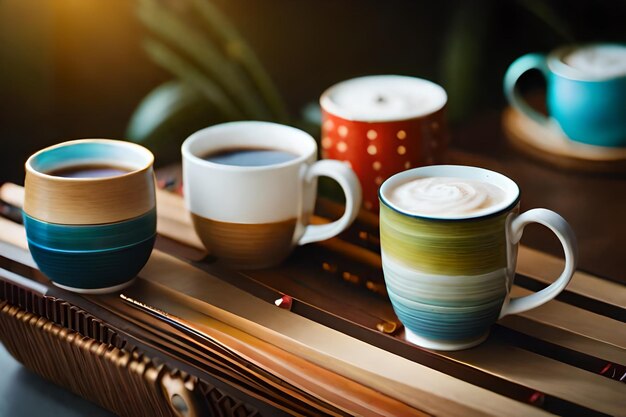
[
  {"x": 516, "y": 70},
  {"x": 352, "y": 189},
  {"x": 564, "y": 232}
]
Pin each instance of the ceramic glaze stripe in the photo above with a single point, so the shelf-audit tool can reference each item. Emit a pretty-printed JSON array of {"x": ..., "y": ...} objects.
[
  {"x": 452, "y": 326},
  {"x": 90, "y": 237},
  {"x": 93, "y": 269},
  {"x": 444, "y": 247},
  {"x": 444, "y": 308},
  {"x": 442, "y": 290},
  {"x": 244, "y": 244}
]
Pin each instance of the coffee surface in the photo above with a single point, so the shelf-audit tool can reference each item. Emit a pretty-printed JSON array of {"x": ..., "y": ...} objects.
[
  {"x": 446, "y": 196},
  {"x": 88, "y": 171},
  {"x": 250, "y": 157},
  {"x": 598, "y": 60}
]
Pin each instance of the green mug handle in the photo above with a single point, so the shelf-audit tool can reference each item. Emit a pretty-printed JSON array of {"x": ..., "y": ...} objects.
[{"x": 516, "y": 70}]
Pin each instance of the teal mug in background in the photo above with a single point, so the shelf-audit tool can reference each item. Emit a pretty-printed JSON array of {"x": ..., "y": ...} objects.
[{"x": 586, "y": 91}]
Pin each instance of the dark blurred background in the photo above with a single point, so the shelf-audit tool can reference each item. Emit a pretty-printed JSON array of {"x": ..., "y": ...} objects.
[{"x": 77, "y": 68}]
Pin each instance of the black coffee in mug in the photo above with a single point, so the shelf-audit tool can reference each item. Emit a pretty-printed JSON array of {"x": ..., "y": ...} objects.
[
  {"x": 249, "y": 157},
  {"x": 88, "y": 171}
]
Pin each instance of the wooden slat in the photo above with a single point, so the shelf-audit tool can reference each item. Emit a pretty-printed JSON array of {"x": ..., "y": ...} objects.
[
  {"x": 576, "y": 320},
  {"x": 565, "y": 339},
  {"x": 546, "y": 268},
  {"x": 177, "y": 219},
  {"x": 546, "y": 375},
  {"x": 13, "y": 243},
  {"x": 328, "y": 386},
  {"x": 12, "y": 194},
  {"x": 13, "y": 233}
]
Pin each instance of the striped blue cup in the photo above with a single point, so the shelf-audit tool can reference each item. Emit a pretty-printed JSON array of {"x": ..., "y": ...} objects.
[
  {"x": 90, "y": 213},
  {"x": 449, "y": 276},
  {"x": 91, "y": 258}
]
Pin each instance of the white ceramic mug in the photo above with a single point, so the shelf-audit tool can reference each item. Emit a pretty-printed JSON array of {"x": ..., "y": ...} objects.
[{"x": 253, "y": 216}]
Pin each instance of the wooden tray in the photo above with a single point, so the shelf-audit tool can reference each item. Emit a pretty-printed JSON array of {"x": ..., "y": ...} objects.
[
  {"x": 99, "y": 364},
  {"x": 566, "y": 357},
  {"x": 136, "y": 365}
]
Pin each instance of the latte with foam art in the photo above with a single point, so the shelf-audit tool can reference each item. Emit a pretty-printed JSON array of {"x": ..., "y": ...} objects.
[
  {"x": 598, "y": 61},
  {"x": 446, "y": 196}
]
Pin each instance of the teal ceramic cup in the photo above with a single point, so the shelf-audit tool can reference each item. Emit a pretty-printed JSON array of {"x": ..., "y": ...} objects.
[
  {"x": 449, "y": 277},
  {"x": 93, "y": 271},
  {"x": 90, "y": 213},
  {"x": 586, "y": 91},
  {"x": 91, "y": 258}
]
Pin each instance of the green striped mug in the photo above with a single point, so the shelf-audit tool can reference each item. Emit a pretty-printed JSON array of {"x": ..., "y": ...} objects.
[{"x": 449, "y": 276}]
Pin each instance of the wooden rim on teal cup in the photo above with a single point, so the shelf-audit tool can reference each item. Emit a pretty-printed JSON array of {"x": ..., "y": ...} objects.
[{"x": 89, "y": 201}]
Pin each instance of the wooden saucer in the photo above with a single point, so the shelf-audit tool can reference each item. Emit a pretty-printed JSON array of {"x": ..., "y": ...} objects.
[{"x": 548, "y": 143}]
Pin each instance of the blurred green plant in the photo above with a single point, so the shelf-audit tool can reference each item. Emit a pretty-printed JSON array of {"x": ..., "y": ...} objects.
[{"x": 218, "y": 77}]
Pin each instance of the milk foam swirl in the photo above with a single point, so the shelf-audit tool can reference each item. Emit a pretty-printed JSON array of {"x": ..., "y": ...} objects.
[
  {"x": 446, "y": 196},
  {"x": 598, "y": 60}
]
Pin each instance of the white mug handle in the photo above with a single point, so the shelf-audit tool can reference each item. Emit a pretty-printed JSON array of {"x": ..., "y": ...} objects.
[
  {"x": 564, "y": 232},
  {"x": 352, "y": 189}
]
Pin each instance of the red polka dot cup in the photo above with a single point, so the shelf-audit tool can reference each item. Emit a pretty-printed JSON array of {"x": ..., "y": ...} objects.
[{"x": 381, "y": 125}]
